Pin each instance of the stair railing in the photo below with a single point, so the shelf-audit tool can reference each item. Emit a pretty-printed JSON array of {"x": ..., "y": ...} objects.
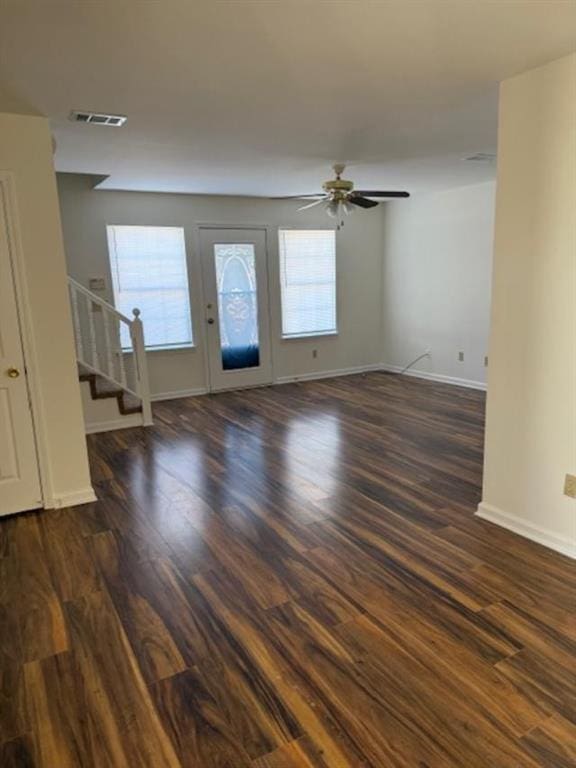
[{"x": 110, "y": 344}]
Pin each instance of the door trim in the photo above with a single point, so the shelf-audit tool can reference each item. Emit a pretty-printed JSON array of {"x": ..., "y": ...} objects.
[
  {"x": 266, "y": 228},
  {"x": 27, "y": 337}
]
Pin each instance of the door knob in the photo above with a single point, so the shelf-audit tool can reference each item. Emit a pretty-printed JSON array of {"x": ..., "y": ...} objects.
[
  {"x": 13, "y": 373},
  {"x": 210, "y": 321}
]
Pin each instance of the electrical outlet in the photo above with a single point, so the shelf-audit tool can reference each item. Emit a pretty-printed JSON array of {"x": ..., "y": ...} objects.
[
  {"x": 486, "y": 360},
  {"x": 314, "y": 353},
  {"x": 461, "y": 357},
  {"x": 570, "y": 486}
]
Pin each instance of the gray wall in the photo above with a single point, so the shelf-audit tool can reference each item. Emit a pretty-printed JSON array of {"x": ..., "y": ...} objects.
[
  {"x": 436, "y": 281},
  {"x": 413, "y": 274},
  {"x": 86, "y": 212}
]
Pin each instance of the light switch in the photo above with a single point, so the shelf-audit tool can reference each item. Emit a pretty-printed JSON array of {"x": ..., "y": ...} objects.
[
  {"x": 570, "y": 486},
  {"x": 97, "y": 284}
]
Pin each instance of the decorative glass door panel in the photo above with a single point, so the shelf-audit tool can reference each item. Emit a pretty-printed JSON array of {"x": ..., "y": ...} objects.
[
  {"x": 237, "y": 305},
  {"x": 235, "y": 281}
]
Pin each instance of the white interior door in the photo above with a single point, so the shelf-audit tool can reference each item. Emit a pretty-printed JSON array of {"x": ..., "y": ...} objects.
[
  {"x": 235, "y": 276},
  {"x": 19, "y": 475}
]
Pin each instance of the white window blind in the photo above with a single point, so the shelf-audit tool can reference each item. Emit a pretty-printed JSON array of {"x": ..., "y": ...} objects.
[
  {"x": 308, "y": 281},
  {"x": 149, "y": 271}
]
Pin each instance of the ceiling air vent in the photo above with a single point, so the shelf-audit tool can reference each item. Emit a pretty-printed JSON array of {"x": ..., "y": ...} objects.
[
  {"x": 97, "y": 118},
  {"x": 481, "y": 157}
]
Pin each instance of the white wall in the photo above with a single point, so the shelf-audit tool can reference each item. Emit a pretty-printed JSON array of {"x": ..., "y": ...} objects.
[
  {"x": 436, "y": 281},
  {"x": 86, "y": 212},
  {"x": 26, "y": 153},
  {"x": 531, "y": 408}
]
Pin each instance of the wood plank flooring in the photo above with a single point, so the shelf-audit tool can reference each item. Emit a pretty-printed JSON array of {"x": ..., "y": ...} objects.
[{"x": 288, "y": 577}]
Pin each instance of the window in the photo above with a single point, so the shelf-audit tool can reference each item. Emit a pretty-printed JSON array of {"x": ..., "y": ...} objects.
[
  {"x": 148, "y": 267},
  {"x": 308, "y": 281}
]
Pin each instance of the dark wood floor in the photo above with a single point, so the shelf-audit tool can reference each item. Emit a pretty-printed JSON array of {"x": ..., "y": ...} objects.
[{"x": 287, "y": 578}]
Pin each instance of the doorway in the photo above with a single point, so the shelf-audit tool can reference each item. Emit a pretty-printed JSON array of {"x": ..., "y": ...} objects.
[
  {"x": 20, "y": 488},
  {"x": 235, "y": 278}
]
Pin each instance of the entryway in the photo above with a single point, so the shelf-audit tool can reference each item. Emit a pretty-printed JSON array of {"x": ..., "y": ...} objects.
[{"x": 235, "y": 278}]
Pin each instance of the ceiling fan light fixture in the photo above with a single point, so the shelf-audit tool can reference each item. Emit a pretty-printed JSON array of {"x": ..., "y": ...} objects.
[
  {"x": 340, "y": 198},
  {"x": 332, "y": 208}
]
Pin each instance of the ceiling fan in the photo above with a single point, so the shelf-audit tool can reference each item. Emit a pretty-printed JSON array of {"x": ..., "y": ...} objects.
[{"x": 340, "y": 197}]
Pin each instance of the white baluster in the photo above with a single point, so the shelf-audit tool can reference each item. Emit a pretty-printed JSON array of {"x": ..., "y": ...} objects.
[
  {"x": 119, "y": 352},
  {"x": 76, "y": 321},
  {"x": 92, "y": 330},
  {"x": 108, "y": 343},
  {"x": 137, "y": 334}
]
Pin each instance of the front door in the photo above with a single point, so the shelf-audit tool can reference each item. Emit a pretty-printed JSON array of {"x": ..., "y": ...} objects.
[
  {"x": 19, "y": 476},
  {"x": 235, "y": 280}
]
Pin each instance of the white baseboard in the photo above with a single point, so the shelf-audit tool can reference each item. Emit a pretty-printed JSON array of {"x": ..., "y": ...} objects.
[
  {"x": 106, "y": 426},
  {"x": 562, "y": 544},
  {"x": 135, "y": 419},
  {"x": 71, "y": 499},
  {"x": 439, "y": 377},
  {"x": 179, "y": 393},
  {"x": 123, "y": 422},
  {"x": 328, "y": 374}
]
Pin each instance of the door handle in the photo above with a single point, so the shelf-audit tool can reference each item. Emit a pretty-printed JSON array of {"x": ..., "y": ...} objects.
[
  {"x": 210, "y": 321},
  {"x": 13, "y": 373}
]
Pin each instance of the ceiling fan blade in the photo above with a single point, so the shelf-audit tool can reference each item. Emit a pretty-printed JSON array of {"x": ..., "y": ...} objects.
[
  {"x": 362, "y": 202},
  {"x": 311, "y": 205},
  {"x": 376, "y": 193}
]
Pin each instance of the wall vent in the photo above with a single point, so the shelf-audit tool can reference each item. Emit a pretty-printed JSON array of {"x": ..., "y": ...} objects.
[
  {"x": 481, "y": 157},
  {"x": 97, "y": 118}
]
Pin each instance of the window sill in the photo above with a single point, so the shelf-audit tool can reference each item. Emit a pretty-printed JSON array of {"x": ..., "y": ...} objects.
[
  {"x": 175, "y": 348},
  {"x": 314, "y": 335}
]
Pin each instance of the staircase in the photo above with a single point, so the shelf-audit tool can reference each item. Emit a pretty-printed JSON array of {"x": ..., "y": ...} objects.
[
  {"x": 100, "y": 389},
  {"x": 111, "y": 360}
]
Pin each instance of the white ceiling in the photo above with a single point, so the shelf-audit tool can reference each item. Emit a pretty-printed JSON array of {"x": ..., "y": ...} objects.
[{"x": 259, "y": 97}]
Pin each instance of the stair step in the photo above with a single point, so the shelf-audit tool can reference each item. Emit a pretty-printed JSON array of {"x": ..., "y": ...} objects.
[
  {"x": 101, "y": 389},
  {"x": 131, "y": 404}
]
